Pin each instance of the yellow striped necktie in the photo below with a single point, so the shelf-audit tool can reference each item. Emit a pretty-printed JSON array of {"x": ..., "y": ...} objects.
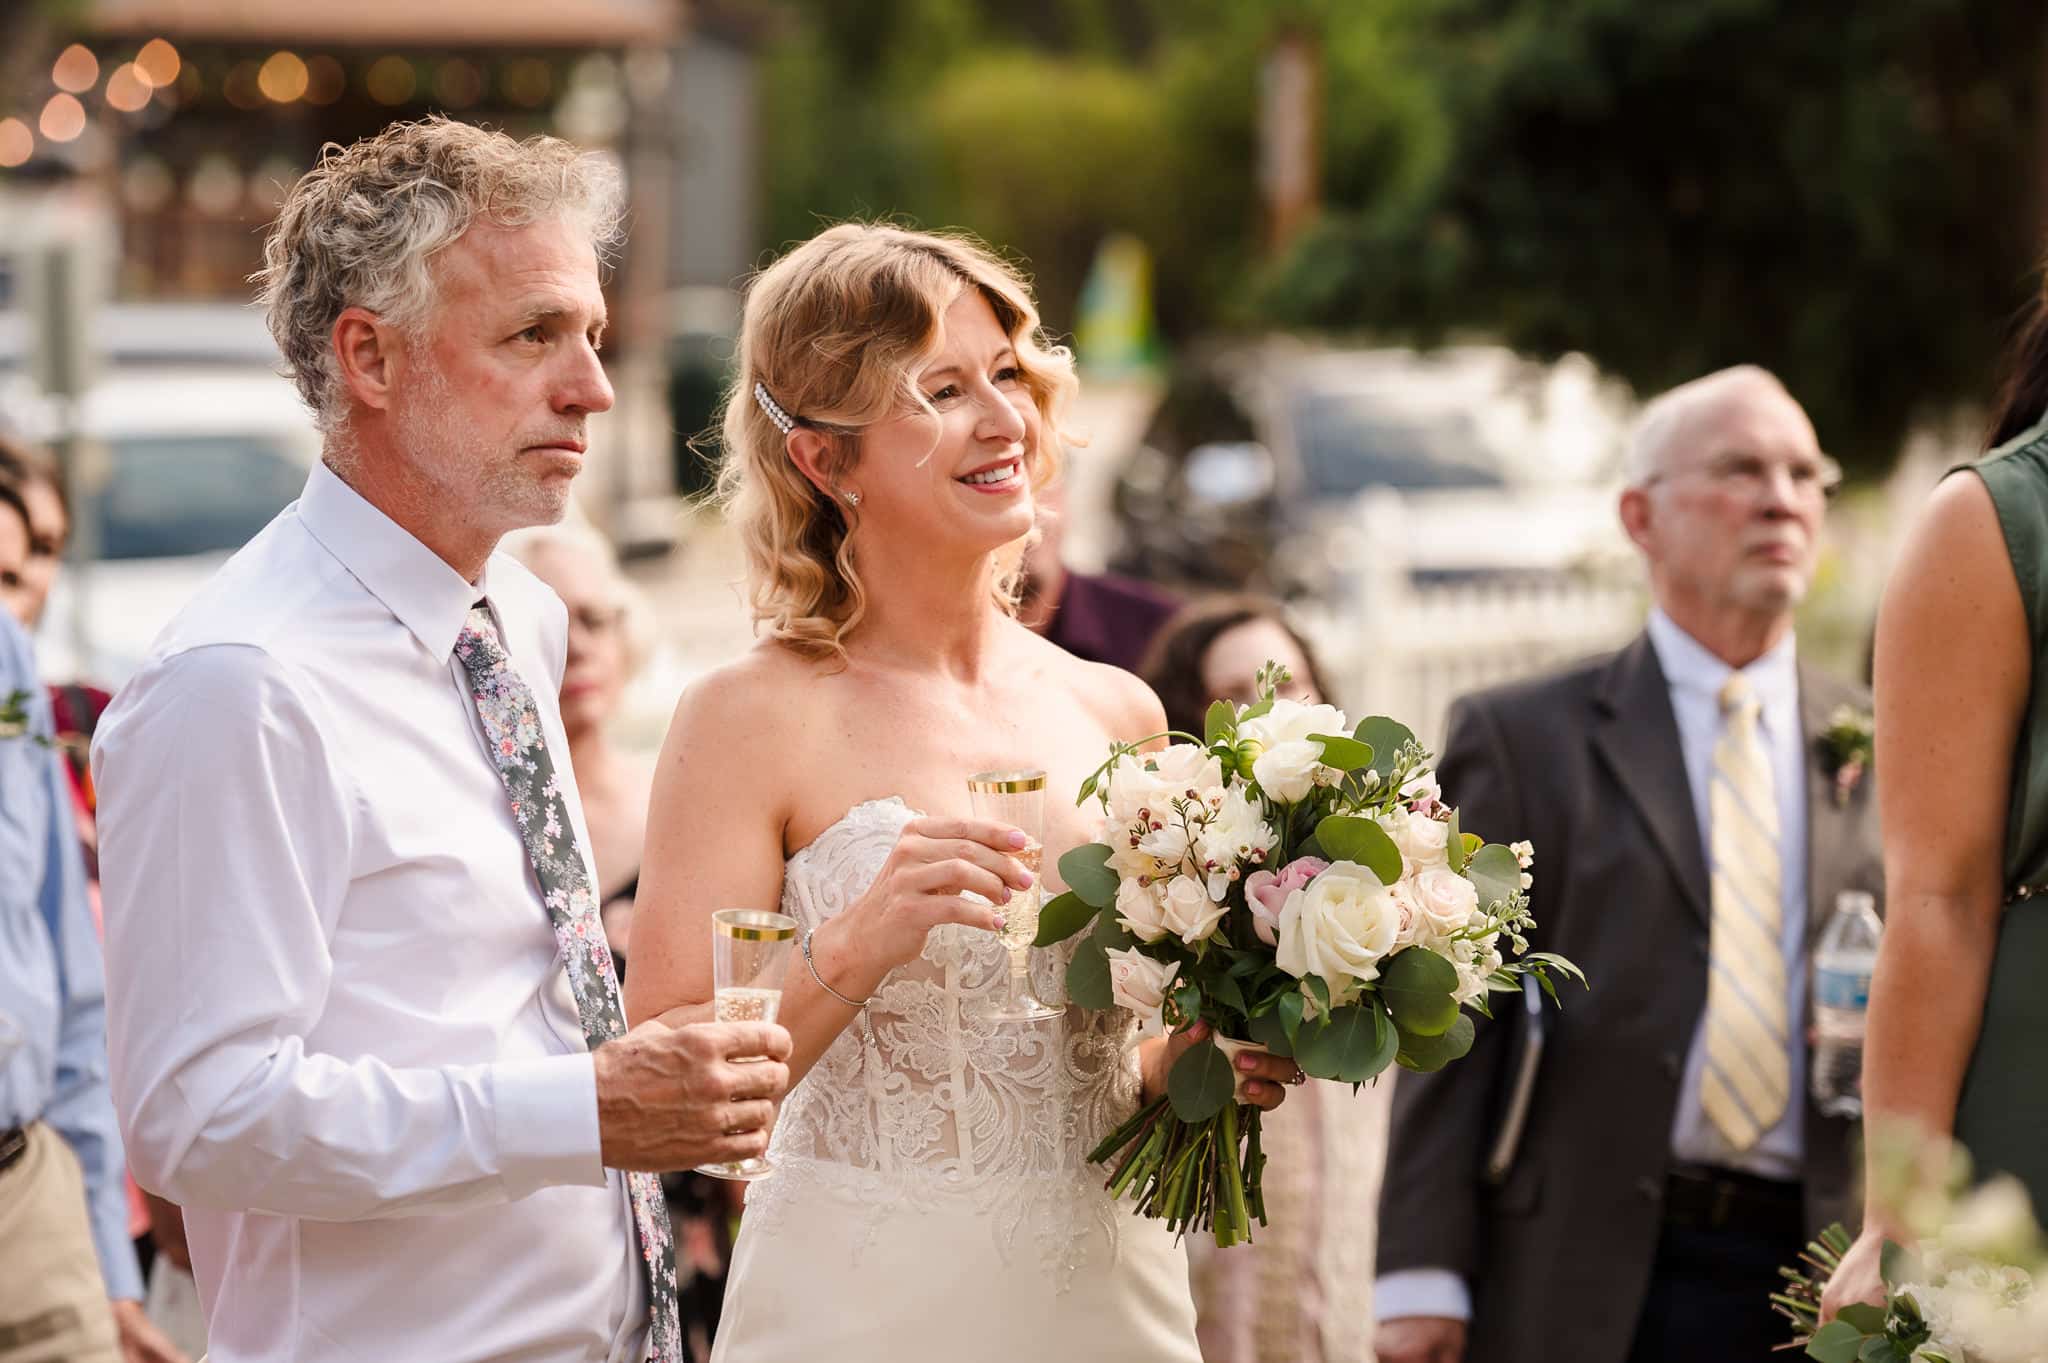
[{"x": 1747, "y": 1078}]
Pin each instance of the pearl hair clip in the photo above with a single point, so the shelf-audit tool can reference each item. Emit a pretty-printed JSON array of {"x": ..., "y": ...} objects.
[{"x": 784, "y": 422}]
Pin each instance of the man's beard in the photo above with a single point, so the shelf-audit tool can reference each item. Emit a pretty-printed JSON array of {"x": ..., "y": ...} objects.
[{"x": 498, "y": 485}]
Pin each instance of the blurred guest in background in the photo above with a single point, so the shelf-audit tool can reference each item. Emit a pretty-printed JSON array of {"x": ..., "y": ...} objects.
[
  {"x": 1096, "y": 616},
  {"x": 1301, "y": 1293},
  {"x": 65, "y": 1250},
  {"x": 610, "y": 637},
  {"x": 1662, "y": 1155}
]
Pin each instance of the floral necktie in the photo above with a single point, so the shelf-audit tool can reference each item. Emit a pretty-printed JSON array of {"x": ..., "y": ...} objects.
[{"x": 520, "y": 752}]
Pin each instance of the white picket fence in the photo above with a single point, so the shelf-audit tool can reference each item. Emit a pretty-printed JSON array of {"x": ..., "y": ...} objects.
[{"x": 1397, "y": 647}]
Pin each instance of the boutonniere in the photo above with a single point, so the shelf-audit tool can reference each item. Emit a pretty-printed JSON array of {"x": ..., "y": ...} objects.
[
  {"x": 1846, "y": 746},
  {"x": 14, "y": 714}
]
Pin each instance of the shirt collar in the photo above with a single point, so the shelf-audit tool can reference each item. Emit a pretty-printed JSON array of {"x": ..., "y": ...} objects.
[
  {"x": 1690, "y": 666},
  {"x": 415, "y": 584}
]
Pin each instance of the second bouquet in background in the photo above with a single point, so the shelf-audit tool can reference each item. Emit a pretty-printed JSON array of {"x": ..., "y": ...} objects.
[{"x": 1299, "y": 885}]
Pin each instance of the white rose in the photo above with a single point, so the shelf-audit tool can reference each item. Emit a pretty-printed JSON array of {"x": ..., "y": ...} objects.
[
  {"x": 1138, "y": 908},
  {"x": 1445, "y": 902},
  {"x": 1338, "y": 926},
  {"x": 1291, "y": 764},
  {"x": 1139, "y": 983},
  {"x": 1424, "y": 842},
  {"x": 1187, "y": 910},
  {"x": 1236, "y": 833}
]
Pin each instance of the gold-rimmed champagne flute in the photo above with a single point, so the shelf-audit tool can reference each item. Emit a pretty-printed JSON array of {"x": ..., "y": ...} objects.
[
  {"x": 1015, "y": 797},
  {"x": 750, "y": 952}
]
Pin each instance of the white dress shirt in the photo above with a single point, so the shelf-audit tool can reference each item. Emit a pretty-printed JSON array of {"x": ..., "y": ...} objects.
[
  {"x": 1695, "y": 677},
  {"x": 340, "y": 1037}
]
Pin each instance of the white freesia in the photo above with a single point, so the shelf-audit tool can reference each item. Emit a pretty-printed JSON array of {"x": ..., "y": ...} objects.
[
  {"x": 1290, "y": 764},
  {"x": 1151, "y": 782},
  {"x": 1237, "y": 833},
  {"x": 1422, "y": 785},
  {"x": 1445, "y": 902},
  {"x": 1139, "y": 983},
  {"x": 1188, "y": 911},
  {"x": 1138, "y": 908},
  {"x": 1338, "y": 926}
]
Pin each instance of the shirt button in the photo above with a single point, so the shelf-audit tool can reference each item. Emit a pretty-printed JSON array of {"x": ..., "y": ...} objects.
[{"x": 1650, "y": 1189}]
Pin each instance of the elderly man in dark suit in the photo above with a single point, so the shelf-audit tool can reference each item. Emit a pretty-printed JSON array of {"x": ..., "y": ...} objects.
[{"x": 1622, "y": 1190}]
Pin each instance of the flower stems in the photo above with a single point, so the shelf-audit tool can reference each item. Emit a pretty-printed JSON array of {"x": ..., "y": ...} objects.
[{"x": 1193, "y": 1176}]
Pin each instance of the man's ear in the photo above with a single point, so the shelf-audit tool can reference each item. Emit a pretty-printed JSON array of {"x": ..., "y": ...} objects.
[
  {"x": 367, "y": 348},
  {"x": 815, "y": 456},
  {"x": 1636, "y": 515}
]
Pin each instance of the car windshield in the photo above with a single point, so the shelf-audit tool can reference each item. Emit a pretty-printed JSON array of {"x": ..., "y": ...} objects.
[
  {"x": 201, "y": 494},
  {"x": 1352, "y": 441}
]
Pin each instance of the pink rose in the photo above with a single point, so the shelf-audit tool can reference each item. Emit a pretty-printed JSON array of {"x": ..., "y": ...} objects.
[{"x": 1265, "y": 893}]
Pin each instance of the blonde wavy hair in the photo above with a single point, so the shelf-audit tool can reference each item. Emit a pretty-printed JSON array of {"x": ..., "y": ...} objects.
[{"x": 836, "y": 331}]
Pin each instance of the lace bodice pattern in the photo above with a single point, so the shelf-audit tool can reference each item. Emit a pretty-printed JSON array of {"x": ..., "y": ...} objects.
[{"x": 940, "y": 1105}]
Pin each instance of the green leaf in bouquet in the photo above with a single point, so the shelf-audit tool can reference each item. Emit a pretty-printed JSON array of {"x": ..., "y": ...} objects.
[
  {"x": 1087, "y": 873},
  {"x": 1385, "y": 737},
  {"x": 1836, "y": 1342},
  {"x": 1200, "y": 1083},
  {"x": 1188, "y": 998},
  {"x": 1270, "y": 1030},
  {"x": 1455, "y": 848},
  {"x": 1290, "y": 1009},
  {"x": 1418, "y": 985},
  {"x": 1220, "y": 723},
  {"x": 1345, "y": 754},
  {"x": 1088, "y": 976},
  {"x": 1347, "y": 837},
  {"x": 1316, "y": 986},
  {"x": 1060, "y": 919},
  {"x": 1493, "y": 871},
  {"x": 1426, "y": 1053},
  {"x": 1258, "y": 711},
  {"x": 1109, "y": 933},
  {"x": 1893, "y": 1264},
  {"x": 1225, "y": 990},
  {"x": 1865, "y": 1316},
  {"x": 1353, "y": 1044},
  {"x": 1879, "y": 1349}
]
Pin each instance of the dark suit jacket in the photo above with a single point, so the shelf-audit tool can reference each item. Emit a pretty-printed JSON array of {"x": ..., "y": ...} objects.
[{"x": 1587, "y": 765}]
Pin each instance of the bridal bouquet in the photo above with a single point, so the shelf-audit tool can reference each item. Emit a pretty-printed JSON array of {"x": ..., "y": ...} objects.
[
  {"x": 1300, "y": 886},
  {"x": 1972, "y": 1289}
]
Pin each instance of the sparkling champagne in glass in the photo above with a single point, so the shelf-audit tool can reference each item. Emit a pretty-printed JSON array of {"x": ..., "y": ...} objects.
[
  {"x": 750, "y": 951},
  {"x": 1016, "y": 798}
]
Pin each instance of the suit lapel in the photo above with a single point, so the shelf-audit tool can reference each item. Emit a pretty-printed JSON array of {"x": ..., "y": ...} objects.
[
  {"x": 1637, "y": 736},
  {"x": 1829, "y": 840}
]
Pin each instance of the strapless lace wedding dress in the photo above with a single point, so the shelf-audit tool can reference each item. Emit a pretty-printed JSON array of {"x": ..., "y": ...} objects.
[{"x": 933, "y": 1198}]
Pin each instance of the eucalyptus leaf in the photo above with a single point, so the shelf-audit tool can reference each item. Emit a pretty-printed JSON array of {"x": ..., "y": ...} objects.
[
  {"x": 1455, "y": 848},
  {"x": 1060, "y": 919},
  {"x": 1342, "y": 1046},
  {"x": 1879, "y": 1349},
  {"x": 1224, "y": 989},
  {"x": 1836, "y": 1342},
  {"x": 1221, "y": 723},
  {"x": 1088, "y": 976},
  {"x": 1270, "y": 1031},
  {"x": 1087, "y": 874},
  {"x": 1290, "y": 1009},
  {"x": 1315, "y": 985},
  {"x": 1427, "y": 1053},
  {"x": 1385, "y": 737},
  {"x": 1893, "y": 1264},
  {"x": 1865, "y": 1316},
  {"x": 1345, "y": 754},
  {"x": 1493, "y": 871},
  {"x": 1417, "y": 985},
  {"x": 1347, "y": 837},
  {"x": 1200, "y": 1082}
]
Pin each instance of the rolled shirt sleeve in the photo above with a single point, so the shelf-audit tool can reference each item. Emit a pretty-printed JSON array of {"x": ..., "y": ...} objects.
[{"x": 227, "y": 824}]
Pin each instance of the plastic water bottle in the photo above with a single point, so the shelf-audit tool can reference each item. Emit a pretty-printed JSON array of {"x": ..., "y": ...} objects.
[{"x": 1841, "y": 1002}]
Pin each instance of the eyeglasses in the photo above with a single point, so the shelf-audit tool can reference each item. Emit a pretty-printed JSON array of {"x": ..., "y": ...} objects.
[{"x": 1749, "y": 475}]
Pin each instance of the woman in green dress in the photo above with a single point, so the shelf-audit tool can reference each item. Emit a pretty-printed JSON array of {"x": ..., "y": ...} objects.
[{"x": 1958, "y": 1039}]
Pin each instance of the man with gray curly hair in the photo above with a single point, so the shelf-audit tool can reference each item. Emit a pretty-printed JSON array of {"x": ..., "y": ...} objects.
[{"x": 362, "y": 1020}]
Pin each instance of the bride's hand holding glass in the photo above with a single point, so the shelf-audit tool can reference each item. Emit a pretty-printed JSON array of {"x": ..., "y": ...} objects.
[{"x": 934, "y": 865}]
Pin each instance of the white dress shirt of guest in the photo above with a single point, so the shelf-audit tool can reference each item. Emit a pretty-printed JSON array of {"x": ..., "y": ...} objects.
[{"x": 339, "y": 1031}]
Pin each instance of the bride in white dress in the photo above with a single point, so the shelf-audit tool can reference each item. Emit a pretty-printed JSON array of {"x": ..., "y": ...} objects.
[{"x": 894, "y": 408}]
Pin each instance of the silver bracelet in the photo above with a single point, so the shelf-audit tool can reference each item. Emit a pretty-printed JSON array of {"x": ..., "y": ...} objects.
[{"x": 866, "y": 1027}]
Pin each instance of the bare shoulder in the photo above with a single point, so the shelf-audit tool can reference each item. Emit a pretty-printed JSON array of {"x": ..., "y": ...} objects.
[
  {"x": 1955, "y": 553},
  {"x": 1125, "y": 707},
  {"x": 742, "y": 716}
]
